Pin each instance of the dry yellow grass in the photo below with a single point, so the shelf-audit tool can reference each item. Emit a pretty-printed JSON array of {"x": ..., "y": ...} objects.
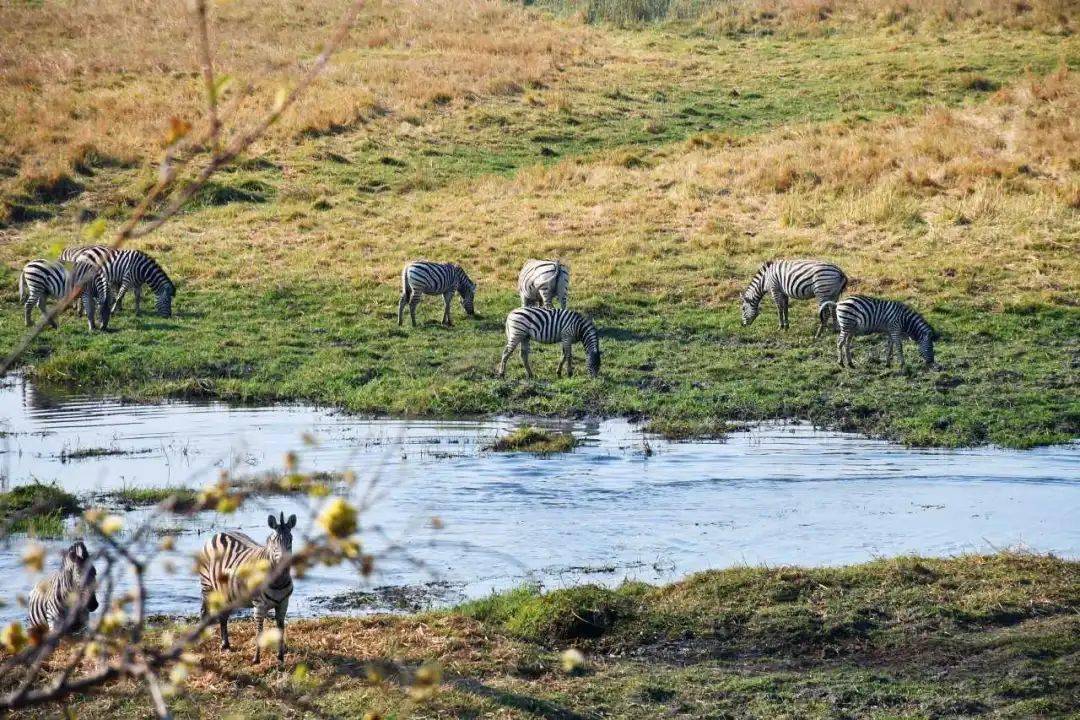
[{"x": 96, "y": 81}]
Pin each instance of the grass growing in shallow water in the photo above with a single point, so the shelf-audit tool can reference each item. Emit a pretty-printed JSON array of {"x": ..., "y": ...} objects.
[
  {"x": 994, "y": 636},
  {"x": 36, "y": 509},
  {"x": 534, "y": 440}
]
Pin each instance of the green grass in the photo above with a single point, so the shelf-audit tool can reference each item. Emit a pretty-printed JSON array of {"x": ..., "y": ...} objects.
[
  {"x": 973, "y": 636},
  {"x": 36, "y": 509},
  {"x": 534, "y": 440},
  {"x": 180, "y": 498},
  {"x": 287, "y": 291}
]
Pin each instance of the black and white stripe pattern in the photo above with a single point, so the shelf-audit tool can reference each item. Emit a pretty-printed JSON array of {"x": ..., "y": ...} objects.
[
  {"x": 540, "y": 282},
  {"x": 428, "y": 278},
  {"x": 65, "y": 599},
  {"x": 227, "y": 552},
  {"x": 97, "y": 254},
  {"x": 128, "y": 270},
  {"x": 551, "y": 325},
  {"x": 861, "y": 315},
  {"x": 44, "y": 279},
  {"x": 793, "y": 279}
]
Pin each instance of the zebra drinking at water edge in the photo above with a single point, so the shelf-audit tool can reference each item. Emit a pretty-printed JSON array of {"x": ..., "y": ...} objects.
[
  {"x": 798, "y": 279},
  {"x": 428, "y": 278},
  {"x": 230, "y": 559},
  {"x": 44, "y": 279},
  {"x": 129, "y": 270},
  {"x": 540, "y": 282},
  {"x": 551, "y": 325},
  {"x": 861, "y": 315},
  {"x": 65, "y": 599}
]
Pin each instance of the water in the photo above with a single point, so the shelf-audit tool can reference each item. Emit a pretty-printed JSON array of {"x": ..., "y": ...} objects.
[{"x": 779, "y": 494}]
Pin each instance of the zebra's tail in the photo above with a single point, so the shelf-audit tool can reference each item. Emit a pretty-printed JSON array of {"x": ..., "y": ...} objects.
[
  {"x": 826, "y": 311},
  {"x": 406, "y": 289},
  {"x": 22, "y": 287},
  {"x": 562, "y": 278}
]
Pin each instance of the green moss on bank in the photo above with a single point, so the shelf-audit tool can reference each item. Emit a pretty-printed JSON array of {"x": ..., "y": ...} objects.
[{"x": 36, "y": 509}]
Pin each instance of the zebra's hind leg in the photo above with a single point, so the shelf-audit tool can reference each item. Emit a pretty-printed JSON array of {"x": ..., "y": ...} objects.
[
  {"x": 412, "y": 308},
  {"x": 44, "y": 308},
  {"x": 511, "y": 345},
  {"x": 28, "y": 308},
  {"x": 401, "y": 309},
  {"x": 525, "y": 358}
]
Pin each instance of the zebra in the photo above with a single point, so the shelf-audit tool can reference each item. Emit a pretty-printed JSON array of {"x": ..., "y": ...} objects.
[
  {"x": 128, "y": 270},
  {"x": 64, "y": 600},
  {"x": 42, "y": 279},
  {"x": 226, "y": 553},
  {"x": 798, "y": 279},
  {"x": 861, "y": 315},
  {"x": 551, "y": 325},
  {"x": 540, "y": 282},
  {"x": 421, "y": 278}
]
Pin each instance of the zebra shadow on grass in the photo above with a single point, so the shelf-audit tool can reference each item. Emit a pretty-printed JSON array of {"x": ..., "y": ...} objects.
[{"x": 403, "y": 674}]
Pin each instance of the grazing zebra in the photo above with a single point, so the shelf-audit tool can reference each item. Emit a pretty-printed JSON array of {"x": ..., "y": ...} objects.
[
  {"x": 220, "y": 569},
  {"x": 65, "y": 599},
  {"x": 43, "y": 279},
  {"x": 861, "y": 315},
  {"x": 128, "y": 270},
  {"x": 551, "y": 325},
  {"x": 798, "y": 279},
  {"x": 427, "y": 278},
  {"x": 540, "y": 282}
]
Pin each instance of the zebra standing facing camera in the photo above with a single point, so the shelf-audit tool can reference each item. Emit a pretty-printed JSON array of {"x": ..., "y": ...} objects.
[
  {"x": 551, "y": 325},
  {"x": 44, "y": 279},
  {"x": 861, "y": 315},
  {"x": 65, "y": 599},
  {"x": 541, "y": 282},
  {"x": 226, "y": 563},
  {"x": 428, "y": 278},
  {"x": 798, "y": 279}
]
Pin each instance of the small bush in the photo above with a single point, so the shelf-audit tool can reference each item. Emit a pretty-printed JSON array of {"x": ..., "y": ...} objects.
[{"x": 38, "y": 509}]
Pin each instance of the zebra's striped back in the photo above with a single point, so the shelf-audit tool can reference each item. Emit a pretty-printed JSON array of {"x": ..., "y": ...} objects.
[
  {"x": 862, "y": 315},
  {"x": 797, "y": 279},
  {"x": 554, "y": 325},
  {"x": 69, "y": 590},
  {"x": 541, "y": 281},
  {"x": 96, "y": 254}
]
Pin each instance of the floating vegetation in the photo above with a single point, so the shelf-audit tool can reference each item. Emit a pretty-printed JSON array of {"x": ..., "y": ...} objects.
[{"x": 534, "y": 440}]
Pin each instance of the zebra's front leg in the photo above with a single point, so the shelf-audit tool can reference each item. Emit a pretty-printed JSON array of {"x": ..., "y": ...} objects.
[
  {"x": 412, "y": 308},
  {"x": 781, "y": 308},
  {"x": 119, "y": 298},
  {"x": 88, "y": 303},
  {"x": 279, "y": 617},
  {"x": 567, "y": 359},
  {"x": 447, "y": 297},
  {"x": 525, "y": 358},
  {"x": 223, "y": 628},
  {"x": 138, "y": 298},
  {"x": 511, "y": 345},
  {"x": 258, "y": 636},
  {"x": 900, "y": 351}
]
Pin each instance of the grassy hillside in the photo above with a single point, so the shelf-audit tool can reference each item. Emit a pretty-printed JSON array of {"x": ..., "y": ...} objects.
[
  {"x": 935, "y": 162},
  {"x": 968, "y": 637}
]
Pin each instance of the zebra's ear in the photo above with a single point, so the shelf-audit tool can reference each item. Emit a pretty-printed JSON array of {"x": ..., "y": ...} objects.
[
  {"x": 291, "y": 522},
  {"x": 272, "y": 521}
]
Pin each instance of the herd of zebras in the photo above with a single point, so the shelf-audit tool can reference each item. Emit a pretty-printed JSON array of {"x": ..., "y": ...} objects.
[
  {"x": 101, "y": 276},
  {"x": 541, "y": 282}
]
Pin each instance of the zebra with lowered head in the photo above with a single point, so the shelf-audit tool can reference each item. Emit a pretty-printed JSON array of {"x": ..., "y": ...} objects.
[
  {"x": 861, "y": 315},
  {"x": 421, "y": 278},
  {"x": 128, "y": 270},
  {"x": 64, "y": 600},
  {"x": 44, "y": 279},
  {"x": 229, "y": 559},
  {"x": 540, "y": 282},
  {"x": 793, "y": 279},
  {"x": 551, "y": 325}
]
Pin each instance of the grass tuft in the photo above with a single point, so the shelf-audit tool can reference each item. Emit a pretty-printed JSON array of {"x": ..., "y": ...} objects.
[
  {"x": 36, "y": 509},
  {"x": 534, "y": 440}
]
